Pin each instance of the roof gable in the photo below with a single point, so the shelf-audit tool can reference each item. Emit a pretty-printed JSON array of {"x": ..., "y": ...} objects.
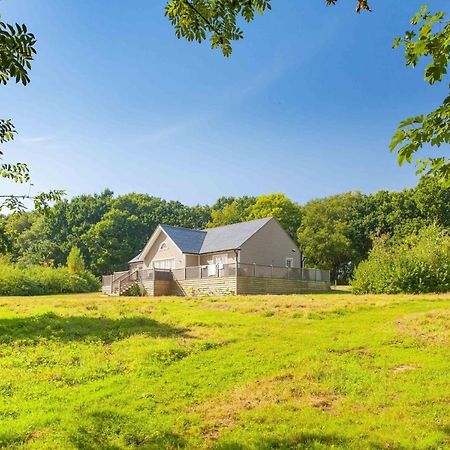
[
  {"x": 212, "y": 240},
  {"x": 187, "y": 240}
]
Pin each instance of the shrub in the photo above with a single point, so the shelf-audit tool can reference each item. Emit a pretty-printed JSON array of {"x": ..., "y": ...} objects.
[
  {"x": 419, "y": 263},
  {"x": 75, "y": 261},
  {"x": 38, "y": 280},
  {"x": 134, "y": 291}
]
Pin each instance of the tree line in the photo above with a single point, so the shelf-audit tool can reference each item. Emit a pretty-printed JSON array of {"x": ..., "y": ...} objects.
[{"x": 335, "y": 232}]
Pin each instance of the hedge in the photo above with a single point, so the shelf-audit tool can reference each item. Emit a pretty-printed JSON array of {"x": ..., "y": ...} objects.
[
  {"x": 419, "y": 263},
  {"x": 38, "y": 280}
]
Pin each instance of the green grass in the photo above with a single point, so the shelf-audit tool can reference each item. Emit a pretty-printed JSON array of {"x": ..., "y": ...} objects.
[{"x": 269, "y": 372}]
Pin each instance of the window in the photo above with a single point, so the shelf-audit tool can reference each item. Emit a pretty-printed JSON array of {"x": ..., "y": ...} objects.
[
  {"x": 163, "y": 247},
  {"x": 220, "y": 260},
  {"x": 166, "y": 264},
  {"x": 289, "y": 262}
]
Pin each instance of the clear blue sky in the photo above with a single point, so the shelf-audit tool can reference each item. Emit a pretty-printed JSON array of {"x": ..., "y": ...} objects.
[{"x": 306, "y": 104}]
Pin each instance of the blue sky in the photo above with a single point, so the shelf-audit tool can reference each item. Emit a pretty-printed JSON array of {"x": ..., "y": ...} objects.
[{"x": 305, "y": 105}]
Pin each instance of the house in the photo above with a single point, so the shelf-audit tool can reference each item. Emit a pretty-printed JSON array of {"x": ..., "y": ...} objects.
[{"x": 250, "y": 257}]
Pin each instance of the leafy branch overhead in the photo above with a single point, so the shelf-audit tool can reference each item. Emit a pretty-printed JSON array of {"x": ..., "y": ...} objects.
[
  {"x": 429, "y": 39},
  {"x": 16, "y": 54},
  {"x": 195, "y": 20}
]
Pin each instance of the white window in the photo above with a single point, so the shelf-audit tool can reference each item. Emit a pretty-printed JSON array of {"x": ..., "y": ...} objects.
[
  {"x": 220, "y": 260},
  {"x": 163, "y": 246},
  {"x": 289, "y": 262},
  {"x": 167, "y": 264}
]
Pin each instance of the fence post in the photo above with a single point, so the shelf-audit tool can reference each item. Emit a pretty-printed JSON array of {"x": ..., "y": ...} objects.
[
  {"x": 254, "y": 269},
  {"x": 185, "y": 269},
  {"x": 271, "y": 271}
]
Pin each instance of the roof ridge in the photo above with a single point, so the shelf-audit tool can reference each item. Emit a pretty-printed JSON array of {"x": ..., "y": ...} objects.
[
  {"x": 180, "y": 228},
  {"x": 237, "y": 223}
]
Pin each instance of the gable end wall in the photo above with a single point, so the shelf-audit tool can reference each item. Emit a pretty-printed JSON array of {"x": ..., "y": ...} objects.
[{"x": 270, "y": 245}]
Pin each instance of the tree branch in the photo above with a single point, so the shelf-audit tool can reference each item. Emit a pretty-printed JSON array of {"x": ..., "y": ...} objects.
[{"x": 208, "y": 22}]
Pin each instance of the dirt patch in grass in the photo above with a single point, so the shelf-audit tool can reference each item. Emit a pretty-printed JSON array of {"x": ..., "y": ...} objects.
[
  {"x": 224, "y": 412},
  {"x": 404, "y": 368},
  {"x": 430, "y": 328}
]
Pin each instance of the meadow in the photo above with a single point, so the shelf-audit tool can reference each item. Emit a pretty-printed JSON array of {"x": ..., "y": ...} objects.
[{"x": 314, "y": 371}]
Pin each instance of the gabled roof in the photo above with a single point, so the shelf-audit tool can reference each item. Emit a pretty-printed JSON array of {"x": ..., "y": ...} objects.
[
  {"x": 211, "y": 240},
  {"x": 231, "y": 237},
  {"x": 187, "y": 240},
  {"x": 228, "y": 237},
  {"x": 137, "y": 258}
]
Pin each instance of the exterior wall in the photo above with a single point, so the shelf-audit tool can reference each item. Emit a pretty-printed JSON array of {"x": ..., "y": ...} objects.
[
  {"x": 209, "y": 258},
  {"x": 156, "y": 288},
  {"x": 212, "y": 286},
  {"x": 233, "y": 286},
  {"x": 270, "y": 245},
  {"x": 172, "y": 251},
  {"x": 136, "y": 266},
  {"x": 192, "y": 260},
  {"x": 257, "y": 285}
]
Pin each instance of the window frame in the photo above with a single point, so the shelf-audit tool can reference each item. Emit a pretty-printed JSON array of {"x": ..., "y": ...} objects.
[{"x": 163, "y": 259}]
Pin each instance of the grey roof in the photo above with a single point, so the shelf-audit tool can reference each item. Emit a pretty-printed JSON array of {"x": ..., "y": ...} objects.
[
  {"x": 228, "y": 237},
  {"x": 137, "y": 258},
  {"x": 187, "y": 240}
]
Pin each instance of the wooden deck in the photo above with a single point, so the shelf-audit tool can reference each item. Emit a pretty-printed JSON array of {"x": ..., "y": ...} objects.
[{"x": 241, "y": 280}]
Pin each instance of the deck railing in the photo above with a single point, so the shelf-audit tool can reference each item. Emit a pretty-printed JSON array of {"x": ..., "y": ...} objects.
[
  {"x": 250, "y": 270},
  {"x": 116, "y": 283}
]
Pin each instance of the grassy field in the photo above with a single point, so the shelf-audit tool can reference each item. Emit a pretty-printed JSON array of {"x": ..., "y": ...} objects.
[{"x": 270, "y": 372}]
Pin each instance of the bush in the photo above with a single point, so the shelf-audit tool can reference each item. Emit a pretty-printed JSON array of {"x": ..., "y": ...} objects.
[
  {"x": 419, "y": 263},
  {"x": 75, "y": 261},
  {"x": 38, "y": 280},
  {"x": 134, "y": 291}
]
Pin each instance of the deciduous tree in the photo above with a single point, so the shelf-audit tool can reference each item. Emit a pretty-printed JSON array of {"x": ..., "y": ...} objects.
[
  {"x": 17, "y": 49},
  {"x": 287, "y": 212},
  {"x": 429, "y": 39}
]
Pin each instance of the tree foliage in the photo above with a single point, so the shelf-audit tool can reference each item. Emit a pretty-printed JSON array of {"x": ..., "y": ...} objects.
[
  {"x": 233, "y": 212},
  {"x": 337, "y": 232},
  {"x": 287, "y": 212},
  {"x": 429, "y": 39},
  {"x": 419, "y": 263},
  {"x": 17, "y": 49},
  {"x": 197, "y": 20},
  {"x": 325, "y": 233},
  {"x": 75, "y": 261}
]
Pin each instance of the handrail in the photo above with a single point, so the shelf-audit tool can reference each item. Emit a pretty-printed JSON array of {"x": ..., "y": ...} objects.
[{"x": 220, "y": 270}]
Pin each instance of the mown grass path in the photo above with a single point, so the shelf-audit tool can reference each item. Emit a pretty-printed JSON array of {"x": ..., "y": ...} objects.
[{"x": 311, "y": 371}]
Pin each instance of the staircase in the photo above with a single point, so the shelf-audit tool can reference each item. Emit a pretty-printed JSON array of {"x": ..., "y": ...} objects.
[{"x": 121, "y": 284}]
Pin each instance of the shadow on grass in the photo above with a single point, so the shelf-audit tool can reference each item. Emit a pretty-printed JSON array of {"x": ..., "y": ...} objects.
[
  {"x": 79, "y": 328},
  {"x": 340, "y": 290},
  {"x": 110, "y": 430},
  {"x": 301, "y": 441}
]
